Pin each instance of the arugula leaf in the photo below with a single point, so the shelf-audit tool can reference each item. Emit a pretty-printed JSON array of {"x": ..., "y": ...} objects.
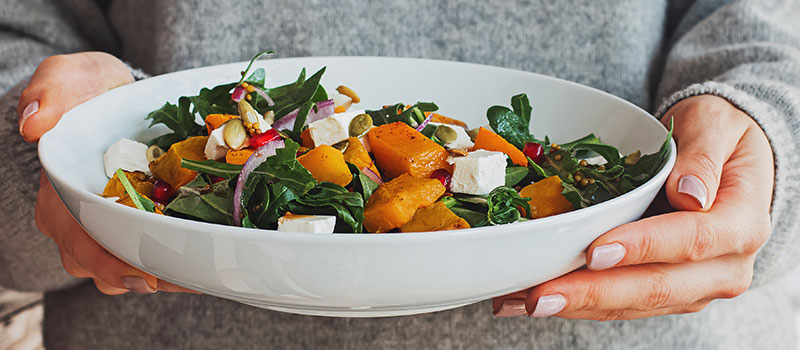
[
  {"x": 249, "y": 65},
  {"x": 216, "y": 100},
  {"x": 502, "y": 204},
  {"x": 562, "y": 163},
  {"x": 211, "y": 167},
  {"x": 515, "y": 174},
  {"x": 141, "y": 202},
  {"x": 179, "y": 119},
  {"x": 206, "y": 203},
  {"x": 259, "y": 77},
  {"x": 475, "y": 218},
  {"x": 649, "y": 165},
  {"x": 293, "y": 97},
  {"x": 574, "y": 196},
  {"x": 609, "y": 153},
  {"x": 412, "y": 116},
  {"x": 513, "y": 126},
  {"x": 331, "y": 199},
  {"x": 361, "y": 183}
]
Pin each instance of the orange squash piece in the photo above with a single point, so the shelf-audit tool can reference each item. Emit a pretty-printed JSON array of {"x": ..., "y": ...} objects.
[
  {"x": 167, "y": 168},
  {"x": 238, "y": 157},
  {"x": 490, "y": 141},
  {"x": 438, "y": 118},
  {"x": 214, "y": 121},
  {"x": 398, "y": 149},
  {"x": 435, "y": 217},
  {"x": 358, "y": 155},
  {"x": 394, "y": 203},
  {"x": 142, "y": 183},
  {"x": 546, "y": 197},
  {"x": 305, "y": 136},
  {"x": 326, "y": 163}
]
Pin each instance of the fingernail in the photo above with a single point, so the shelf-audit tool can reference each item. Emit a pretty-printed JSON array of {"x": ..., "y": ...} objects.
[
  {"x": 693, "y": 186},
  {"x": 549, "y": 305},
  {"x": 511, "y": 307},
  {"x": 30, "y": 110},
  {"x": 137, "y": 284},
  {"x": 606, "y": 256}
]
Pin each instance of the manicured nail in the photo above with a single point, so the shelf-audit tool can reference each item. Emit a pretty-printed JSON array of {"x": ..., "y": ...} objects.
[
  {"x": 549, "y": 305},
  {"x": 511, "y": 307},
  {"x": 606, "y": 256},
  {"x": 693, "y": 186},
  {"x": 137, "y": 284},
  {"x": 30, "y": 110}
]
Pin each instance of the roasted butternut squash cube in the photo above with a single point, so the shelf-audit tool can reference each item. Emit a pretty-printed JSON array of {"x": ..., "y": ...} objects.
[
  {"x": 490, "y": 141},
  {"x": 394, "y": 203},
  {"x": 546, "y": 197},
  {"x": 358, "y": 155},
  {"x": 167, "y": 168},
  {"x": 435, "y": 217},
  {"x": 139, "y": 180},
  {"x": 326, "y": 163},
  {"x": 398, "y": 149},
  {"x": 214, "y": 121}
]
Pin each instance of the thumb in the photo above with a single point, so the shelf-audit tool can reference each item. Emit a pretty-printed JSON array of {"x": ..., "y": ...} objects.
[
  {"x": 707, "y": 131},
  {"x": 62, "y": 82}
]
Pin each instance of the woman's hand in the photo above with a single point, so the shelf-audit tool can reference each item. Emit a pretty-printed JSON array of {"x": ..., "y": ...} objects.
[
  {"x": 677, "y": 262},
  {"x": 60, "y": 83}
]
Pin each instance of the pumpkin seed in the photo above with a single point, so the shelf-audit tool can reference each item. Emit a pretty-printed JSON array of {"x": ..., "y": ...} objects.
[
  {"x": 269, "y": 117},
  {"x": 360, "y": 124},
  {"x": 234, "y": 133},
  {"x": 341, "y": 145},
  {"x": 246, "y": 111},
  {"x": 446, "y": 134},
  {"x": 153, "y": 152},
  {"x": 473, "y": 134}
]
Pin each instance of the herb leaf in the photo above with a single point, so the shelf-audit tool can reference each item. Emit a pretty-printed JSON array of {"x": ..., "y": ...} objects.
[
  {"x": 513, "y": 126},
  {"x": 502, "y": 205},
  {"x": 209, "y": 203}
]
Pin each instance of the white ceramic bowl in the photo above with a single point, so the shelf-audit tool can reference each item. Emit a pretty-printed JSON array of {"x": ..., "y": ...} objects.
[{"x": 353, "y": 275}]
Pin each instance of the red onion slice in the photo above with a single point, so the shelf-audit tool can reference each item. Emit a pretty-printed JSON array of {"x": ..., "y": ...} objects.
[
  {"x": 257, "y": 158},
  {"x": 238, "y": 93},
  {"x": 372, "y": 175},
  {"x": 324, "y": 109},
  {"x": 263, "y": 94},
  {"x": 425, "y": 122}
]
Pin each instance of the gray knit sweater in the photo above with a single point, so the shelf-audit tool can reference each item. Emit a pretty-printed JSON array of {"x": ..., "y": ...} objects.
[{"x": 652, "y": 52}]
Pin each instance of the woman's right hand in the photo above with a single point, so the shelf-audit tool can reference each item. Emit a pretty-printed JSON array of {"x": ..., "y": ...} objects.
[{"x": 59, "y": 84}]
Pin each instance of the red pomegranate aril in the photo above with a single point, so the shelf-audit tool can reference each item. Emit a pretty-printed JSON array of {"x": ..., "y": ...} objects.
[
  {"x": 161, "y": 191},
  {"x": 214, "y": 178},
  {"x": 443, "y": 176},
  {"x": 534, "y": 151},
  {"x": 259, "y": 140}
]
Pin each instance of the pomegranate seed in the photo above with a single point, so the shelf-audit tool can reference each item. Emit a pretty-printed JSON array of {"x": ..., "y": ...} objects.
[
  {"x": 214, "y": 178},
  {"x": 443, "y": 176},
  {"x": 534, "y": 151},
  {"x": 161, "y": 191},
  {"x": 259, "y": 140}
]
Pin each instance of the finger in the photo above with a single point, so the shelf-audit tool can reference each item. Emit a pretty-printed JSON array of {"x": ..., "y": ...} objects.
[
  {"x": 73, "y": 268},
  {"x": 165, "y": 286},
  {"x": 642, "y": 287},
  {"x": 53, "y": 219},
  {"x": 510, "y": 304},
  {"x": 607, "y": 315},
  {"x": 62, "y": 82},
  {"x": 739, "y": 222},
  {"x": 108, "y": 289}
]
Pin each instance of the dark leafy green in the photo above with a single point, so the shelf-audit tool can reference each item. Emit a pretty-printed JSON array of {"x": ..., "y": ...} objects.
[
  {"x": 398, "y": 113},
  {"x": 515, "y": 174},
  {"x": 502, "y": 203},
  {"x": 513, "y": 125},
  {"x": 203, "y": 202},
  {"x": 361, "y": 183}
]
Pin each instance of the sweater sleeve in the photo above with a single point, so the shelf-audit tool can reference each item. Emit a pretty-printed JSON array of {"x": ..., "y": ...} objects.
[
  {"x": 31, "y": 30},
  {"x": 748, "y": 52}
]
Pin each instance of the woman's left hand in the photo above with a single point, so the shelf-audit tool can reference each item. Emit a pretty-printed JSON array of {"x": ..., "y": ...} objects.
[{"x": 678, "y": 262}]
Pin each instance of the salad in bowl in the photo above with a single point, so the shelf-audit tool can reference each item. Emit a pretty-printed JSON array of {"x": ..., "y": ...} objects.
[{"x": 301, "y": 158}]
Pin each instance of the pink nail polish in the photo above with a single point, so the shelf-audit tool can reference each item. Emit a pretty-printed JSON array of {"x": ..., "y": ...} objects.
[
  {"x": 29, "y": 111},
  {"x": 511, "y": 307},
  {"x": 549, "y": 305},
  {"x": 606, "y": 256},
  {"x": 693, "y": 186},
  {"x": 137, "y": 284}
]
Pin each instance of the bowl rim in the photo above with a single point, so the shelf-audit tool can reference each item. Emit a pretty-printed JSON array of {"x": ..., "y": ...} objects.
[{"x": 354, "y": 238}]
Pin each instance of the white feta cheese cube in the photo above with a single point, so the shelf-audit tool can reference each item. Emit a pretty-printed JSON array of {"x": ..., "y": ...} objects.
[
  {"x": 128, "y": 155},
  {"x": 462, "y": 140},
  {"x": 216, "y": 147},
  {"x": 332, "y": 129},
  {"x": 478, "y": 172},
  {"x": 307, "y": 223}
]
